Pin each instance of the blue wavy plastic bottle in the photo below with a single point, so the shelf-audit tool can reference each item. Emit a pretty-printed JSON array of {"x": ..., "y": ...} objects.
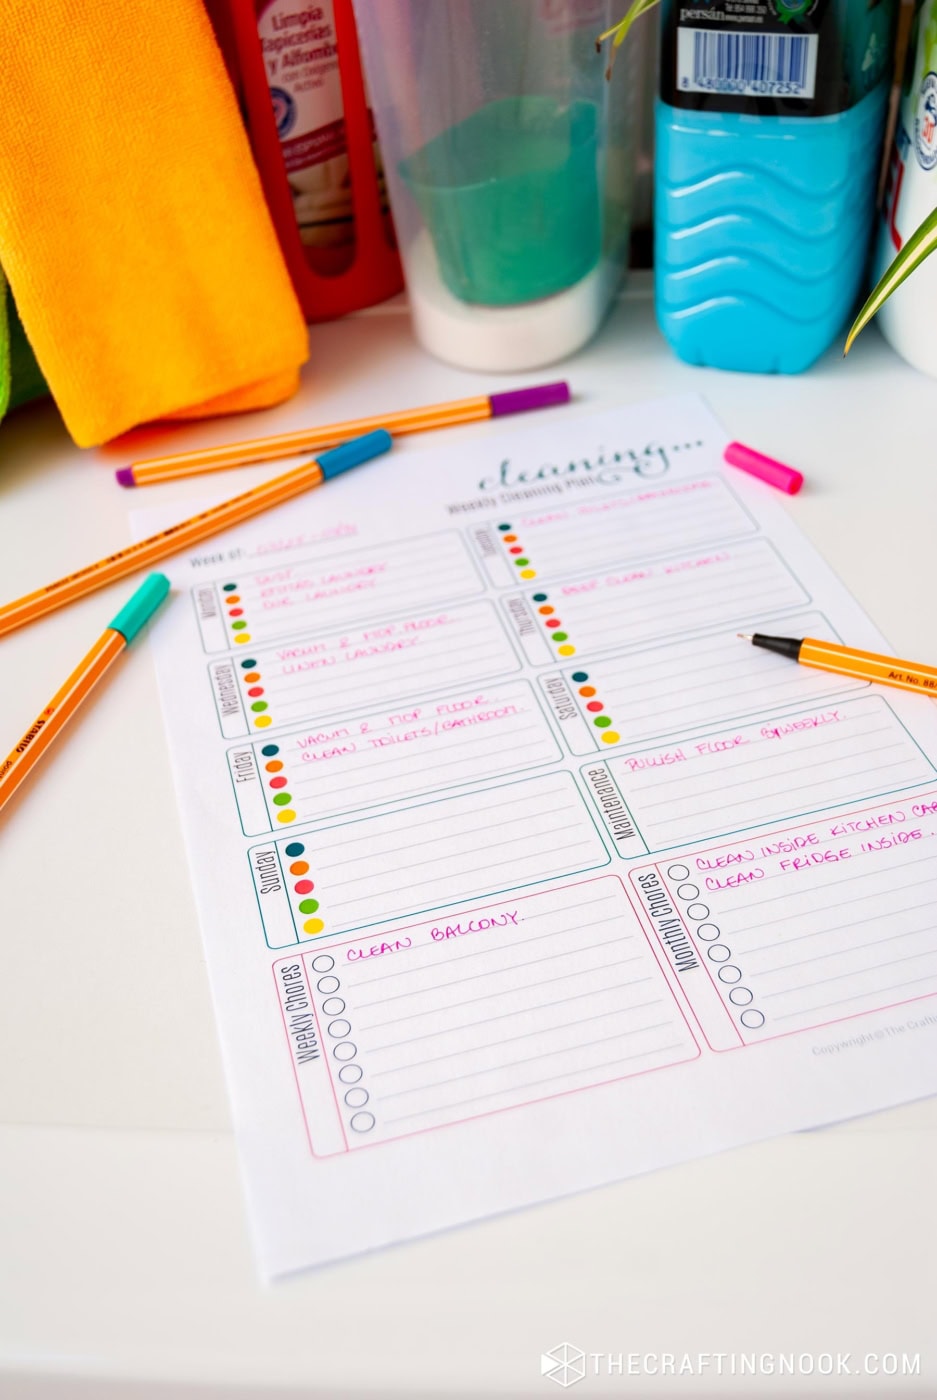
[{"x": 768, "y": 140}]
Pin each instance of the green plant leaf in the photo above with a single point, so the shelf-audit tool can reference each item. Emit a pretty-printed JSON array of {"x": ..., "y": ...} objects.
[
  {"x": 619, "y": 30},
  {"x": 919, "y": 246}
]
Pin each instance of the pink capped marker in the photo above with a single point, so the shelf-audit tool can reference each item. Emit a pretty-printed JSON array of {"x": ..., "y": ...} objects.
[{"x": 765, "y": 468}]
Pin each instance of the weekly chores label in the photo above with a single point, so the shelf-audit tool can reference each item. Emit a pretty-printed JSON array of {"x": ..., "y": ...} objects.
[{"x": 518, "y": 871}]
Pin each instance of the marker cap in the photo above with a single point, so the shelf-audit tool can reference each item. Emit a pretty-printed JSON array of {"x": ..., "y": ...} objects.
[
  {"x": 352, "y": 454},
  {"x": 141, "y": 607},
  {"x": 523, "y": 400},
  {"x": 765, "y": 468}
]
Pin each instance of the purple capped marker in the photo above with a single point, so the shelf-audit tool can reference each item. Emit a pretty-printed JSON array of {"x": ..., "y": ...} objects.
[{"x": 524, "y": 400}]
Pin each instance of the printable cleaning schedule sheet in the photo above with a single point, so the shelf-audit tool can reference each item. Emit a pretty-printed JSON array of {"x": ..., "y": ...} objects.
[{"x": 518, "y": 871}]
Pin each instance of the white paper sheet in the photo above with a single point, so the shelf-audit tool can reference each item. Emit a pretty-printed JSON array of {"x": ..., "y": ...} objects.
[{"x": 518, "y": 872}]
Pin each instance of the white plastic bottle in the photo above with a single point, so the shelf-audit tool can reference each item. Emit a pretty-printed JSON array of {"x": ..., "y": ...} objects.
[{"x": 908, "y": 318}]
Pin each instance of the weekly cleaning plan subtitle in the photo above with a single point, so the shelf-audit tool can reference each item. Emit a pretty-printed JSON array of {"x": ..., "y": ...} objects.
[{"x": 518, "y": 872}]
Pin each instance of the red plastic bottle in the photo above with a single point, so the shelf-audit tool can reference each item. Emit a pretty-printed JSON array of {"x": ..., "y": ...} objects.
[{"x": 281, "y": 57}]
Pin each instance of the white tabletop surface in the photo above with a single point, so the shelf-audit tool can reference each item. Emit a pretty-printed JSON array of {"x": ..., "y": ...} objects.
[{"x": 125, "y": 1264}]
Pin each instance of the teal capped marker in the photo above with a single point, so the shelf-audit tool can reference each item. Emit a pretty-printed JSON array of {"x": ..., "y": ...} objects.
[
  {"x": 79, "y": 685},
  {"x": 141, "y": 607}
]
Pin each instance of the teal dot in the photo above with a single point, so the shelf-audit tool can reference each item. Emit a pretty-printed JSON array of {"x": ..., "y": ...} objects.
[
  {"x": 249, "y": 664},
  {"x": 269, "y": 750},
  {"x": 282, "y": 798},
  {"x": 540, "y": 597},
  {"x": 259, "y": 705},
  {"x": 230, "y": 587},
  {"x": 560, "y": 636},
  {"x": 600, "y": 722},
  {"x": 239, "y": 625},
  {"x": 521, "y": 563},
  {"x": 295, "y": 848},
  {"x": 308, "y": 906},
  {"x": 577, "y": 676},
  {"x": 504, "y": 527}
]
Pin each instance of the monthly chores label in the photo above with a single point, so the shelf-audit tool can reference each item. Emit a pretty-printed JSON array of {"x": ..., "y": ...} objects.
[{"x": 518, "y": 871}]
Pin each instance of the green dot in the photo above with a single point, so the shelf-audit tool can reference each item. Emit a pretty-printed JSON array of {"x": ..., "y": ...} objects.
[
  {"x": 239, "y": 625},
  {"x": 577, "y": 676},
  {"x": 259, "y": 705},
  {"x": 600, "y": 722},
  {"x": 560, "y": 636},
  {"x": 521, "y": 563},
  {"x": 230, "y": 587},
  {"x": 540, "y": 597},
  {"x": 308, "y": 906},
  {"x": 282, "y": 798},
  {"x": 295, "y": 848},
  {"x": 249, "y": 664},
  {"x": 269, "y": 750},
  {"x": 504, "y": 527}
]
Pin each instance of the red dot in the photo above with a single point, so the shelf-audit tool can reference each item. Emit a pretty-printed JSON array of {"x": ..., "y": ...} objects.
[
  {"x": 304, "y": 887},
  {"x": 515, "y": 549},
  {"x": 255, "y": 690},
  {"x": 595, "y": 706},
  {"x": 236, "y": 612},
  {"x": 553, "y": 622},
  {"x": 278, "y": 782}
]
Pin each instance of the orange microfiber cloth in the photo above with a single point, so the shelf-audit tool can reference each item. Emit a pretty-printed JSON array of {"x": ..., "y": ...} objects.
[{"x": 133, "y": 229}]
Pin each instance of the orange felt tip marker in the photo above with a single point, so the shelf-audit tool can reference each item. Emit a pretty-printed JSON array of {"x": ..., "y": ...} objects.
[
  {"x": 765, "y": 468},
  {"x": 48, "y": 725},
  {"x": 407, "y": 420},
  {"x": 189, "y": 532},
  {"x": 846, "y": 661}
]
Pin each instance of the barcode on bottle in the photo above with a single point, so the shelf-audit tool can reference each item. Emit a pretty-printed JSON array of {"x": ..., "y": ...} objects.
[{"x": 747, "y": 65}]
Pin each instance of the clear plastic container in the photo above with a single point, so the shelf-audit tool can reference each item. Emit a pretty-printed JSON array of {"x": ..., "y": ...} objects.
[{"x": 509, "y": 164}]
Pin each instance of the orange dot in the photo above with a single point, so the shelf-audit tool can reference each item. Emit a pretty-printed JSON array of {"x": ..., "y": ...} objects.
[
  {"x": 509, "y": 539},
  {"x": 273, "y": 766},
  {"x": 585, "y": 690},
  {"x": 232, "y": 600},
  {"x": 545, "y": 608},
  {"x": 285, "y": 815},
  {"x": 251, "y": 677},
  {"x": 299, "y": 867}
]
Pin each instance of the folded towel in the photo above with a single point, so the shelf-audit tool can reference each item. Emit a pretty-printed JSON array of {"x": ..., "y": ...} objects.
[{"x": 133, "y": 228}]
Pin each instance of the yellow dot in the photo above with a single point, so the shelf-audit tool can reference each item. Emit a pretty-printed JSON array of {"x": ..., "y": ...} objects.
[
  {"x": 566, "y": 650},
  {"x": 610, "y": 737},
  {"x": 313, "y": 926},
  {"x": 262, "y": 721},
  {"x": 242, "y": 637},
  {"x": 528, "y": 573},
  {"x": 286, "y": 815}
]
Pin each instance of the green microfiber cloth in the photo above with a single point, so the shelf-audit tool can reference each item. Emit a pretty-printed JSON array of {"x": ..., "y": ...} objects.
[{"x": 20, "y": 377}]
